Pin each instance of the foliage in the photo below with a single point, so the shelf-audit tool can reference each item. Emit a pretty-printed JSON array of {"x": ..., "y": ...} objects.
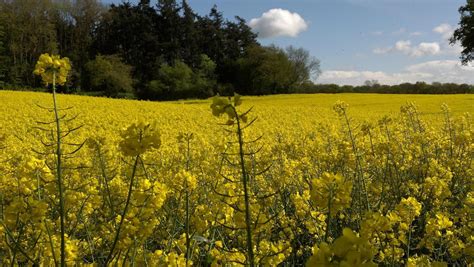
[
  {"x": 171, "y": 79},
  {"x": 306, "y": 68},
  {"x": 266, "y": 70},
  {"x": 154, "y": 40},
  {"x": 375, "y": 87},
  {"x": 464, "y": 34},
  {"x": 180, "y": 81},
  {"x": 29, "y": 32},
  {"x": 109, "y": 75},
  {"x": 398, "y": 181}
]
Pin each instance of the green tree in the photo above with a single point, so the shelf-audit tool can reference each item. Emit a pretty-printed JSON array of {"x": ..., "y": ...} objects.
[
  {"x": 212, "y": 35},
  {"x": 30, "y": 32},
  {"x": 465, "y": 33},
  {"x": 265, "y": 70},
  {"x": 109, "y": 75},
  {"x": 4, "y": 57},
  {"x": 179, "y": 81},
  {"x": 276, "y": 71},
  {"x": 171, "y": 81},
  {"x": 305, "y": 67},
  {"x": 189, "y": 36},
  {"x": 130, "y": 31},
  {"x": 169, "y": 22},
  {"x": 239, "y": 37},
  {"x": 75, "y": 23},
  {"x": 85, "y": 14},
  {"x": 204, "y": 78}
]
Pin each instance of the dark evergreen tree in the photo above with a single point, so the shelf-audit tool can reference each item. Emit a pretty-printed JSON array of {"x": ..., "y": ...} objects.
[
  {"x": 169, "y": 30},
  {"x": 130, "y": 32},
  {"x": 239, "y": 38},
  {"x": 75, "y": 23},
  {"x": 212, "y": 36},
  {"x": 4, "y": 57},
  {"x": 30, "y": 31},
  {"x": 190, "y": 53}
]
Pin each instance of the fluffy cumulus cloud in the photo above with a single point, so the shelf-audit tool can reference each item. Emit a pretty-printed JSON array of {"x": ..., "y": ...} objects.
[
  {"x": 445, "y": 30},
  {"x": 403, "y": 46},
  {"x": 406, "y": 47},
  {"x": 441, "y": 47},
  {"x": 426, "y": 49},
  {"x": 431, "y": 71},
  {"x": 278, "y": 22}
]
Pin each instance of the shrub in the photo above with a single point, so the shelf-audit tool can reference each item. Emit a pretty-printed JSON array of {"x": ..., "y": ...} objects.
[{"x": 109, "y": 75}]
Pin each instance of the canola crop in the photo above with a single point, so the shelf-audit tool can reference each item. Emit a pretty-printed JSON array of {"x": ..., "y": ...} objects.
[{"x": 315, "y": 180}]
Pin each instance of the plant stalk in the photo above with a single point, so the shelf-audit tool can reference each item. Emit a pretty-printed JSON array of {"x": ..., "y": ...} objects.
[
  {"x": 250, "y": 254},
  {"x": 59, "y": 174},
  {"x": 124, "y": 213}
]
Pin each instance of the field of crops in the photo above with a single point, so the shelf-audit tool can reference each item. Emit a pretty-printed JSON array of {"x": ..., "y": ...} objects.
[{"x": 321, "y": 180}]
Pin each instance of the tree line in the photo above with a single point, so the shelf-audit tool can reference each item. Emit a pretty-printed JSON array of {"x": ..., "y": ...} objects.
[
  {"x": 403, "y": 88},
  {"x": 165, "y": 50},
  {"x": 161, "y": 50}
]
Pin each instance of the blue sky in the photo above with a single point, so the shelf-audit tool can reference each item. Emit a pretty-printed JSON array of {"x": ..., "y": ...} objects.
[{"x": 391, "y": 41}]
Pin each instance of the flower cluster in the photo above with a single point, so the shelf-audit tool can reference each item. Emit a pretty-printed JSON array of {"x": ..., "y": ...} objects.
[
  {"x": 347, "y": 250},
  {"x": 377, "y": 190},
  {"x": 331, "y": 191},
  {"x": 138, "y": 138},
  {"x": 53, "y": 69}
]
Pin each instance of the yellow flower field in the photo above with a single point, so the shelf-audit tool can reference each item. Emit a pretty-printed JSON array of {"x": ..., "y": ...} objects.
[{"x": 321, "y": 180}]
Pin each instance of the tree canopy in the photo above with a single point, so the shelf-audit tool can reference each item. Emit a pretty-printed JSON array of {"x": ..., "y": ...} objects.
[
  {"x": 163, "y": 50},
  {"x": 465, "y": 33}
]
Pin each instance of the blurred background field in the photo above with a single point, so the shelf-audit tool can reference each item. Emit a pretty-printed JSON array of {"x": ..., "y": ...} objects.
[{"x": 290, "y": 115}]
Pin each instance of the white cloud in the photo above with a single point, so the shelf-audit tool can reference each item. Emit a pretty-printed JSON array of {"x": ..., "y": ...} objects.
[
  {"x": 405, "y": 47},
  {"x": 445, "y": 30},
  {"x": 377, "y": 33},
  {"x": 426, "y": 49},
  {"x": 445, "y": 71},
  {"x": 455, "y": 49},
  {"x": 441, "y": 47},
  {"x": 278, "y": 22},
  {"x": 430, "y": 71}
]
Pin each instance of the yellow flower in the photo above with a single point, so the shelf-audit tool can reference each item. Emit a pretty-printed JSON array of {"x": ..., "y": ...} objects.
[
  {"x": 340, "y": 107},
  {"x": 347, "y": 250},
  {"x": 53, "y": 69},
  {"x": 331, "y": 191},
  {"x": 221, "y": 105},
  {"x": 138, "y": 138}
]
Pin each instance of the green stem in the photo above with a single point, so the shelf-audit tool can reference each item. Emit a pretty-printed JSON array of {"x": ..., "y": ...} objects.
[
  {"x": 246, "y": 193},
  {"x": 360, "y": 179},
  {"x": 409, "y": 240},
  {"x": 188, "y": 241},
  {"x": 328, "y": 219},
  {"x": 51, "y": 243},
  {"x": 125, "y": 209},
  {"x": 59, "y": 174},
  {"x": 106, "y": 180}
]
